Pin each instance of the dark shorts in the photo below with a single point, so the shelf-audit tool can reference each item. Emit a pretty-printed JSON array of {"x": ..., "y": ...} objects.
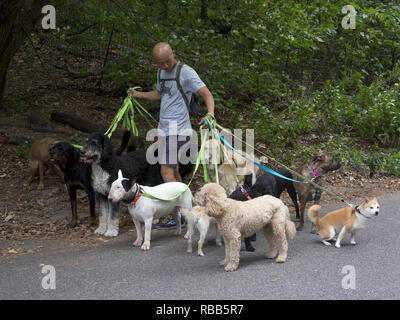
[{"x": 168, "y": 149}]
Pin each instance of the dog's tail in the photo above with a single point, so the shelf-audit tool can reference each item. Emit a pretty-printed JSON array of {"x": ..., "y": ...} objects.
[
  {"x": 290, "y": 229},
  {"x": 124, "y": 142},
  {"x": 313, "y": 213}
]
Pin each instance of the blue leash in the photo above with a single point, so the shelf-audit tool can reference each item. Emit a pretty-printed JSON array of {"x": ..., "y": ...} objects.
[{"x": 257, "y": 164}]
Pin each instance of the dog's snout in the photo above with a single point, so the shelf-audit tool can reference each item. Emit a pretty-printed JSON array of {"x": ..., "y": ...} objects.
[{"x": 376, "y": 213}]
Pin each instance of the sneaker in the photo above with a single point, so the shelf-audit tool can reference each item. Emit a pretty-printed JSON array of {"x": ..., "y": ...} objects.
[{"x": 164, "y": 226}]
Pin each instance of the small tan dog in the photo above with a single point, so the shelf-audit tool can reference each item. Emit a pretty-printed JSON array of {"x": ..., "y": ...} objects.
[
  {"x": 346, "y": 220},
  {"x": 198, "y": 218},
  {"x": 240, "y": 219},
  {"x": 39, "y": 160}
]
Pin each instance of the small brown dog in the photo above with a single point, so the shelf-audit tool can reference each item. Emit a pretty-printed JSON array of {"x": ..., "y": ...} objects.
[
  {"x": 314, "y": 171},
  {"x": 345, "y": 220},
  {"x": 39, "y": 160}
]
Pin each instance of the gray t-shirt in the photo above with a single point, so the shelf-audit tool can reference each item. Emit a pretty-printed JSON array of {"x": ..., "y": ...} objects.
[{"x": 174, "y": 115}]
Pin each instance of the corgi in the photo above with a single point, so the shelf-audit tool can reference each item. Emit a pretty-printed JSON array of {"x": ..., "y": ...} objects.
[{"x": 345, "y": 220}]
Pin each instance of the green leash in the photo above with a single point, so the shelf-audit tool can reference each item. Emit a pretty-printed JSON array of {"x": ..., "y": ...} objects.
[{"x": 127, "y": 114}]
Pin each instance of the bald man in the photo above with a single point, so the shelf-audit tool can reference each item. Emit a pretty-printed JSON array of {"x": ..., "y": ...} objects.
[{"x": 174, "y": 115}]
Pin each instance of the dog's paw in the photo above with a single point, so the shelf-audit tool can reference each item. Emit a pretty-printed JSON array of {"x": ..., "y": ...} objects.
[
  {"x": 281, "y": 259},
  {"x": 219, "y": 243},
  {"x": 223, "y": 263},
  {"x": 326, "y": 243},
  {"x": 186, "y": 236},
  {"x": 111, "y": 232},
  {"x": 337, "y": 245},
  {"x": 200, "y": 253},
  {"x": 271, "y": 254},
  {"x": 250, "y": 249},
  {"x": 353, "y": 242},
  {"x": 145, "y": 246},
  {"x": 40, "y": 187},
  {"x": 138, "y": 243},
  {"x": 231, "y": 267},
  {"x": 178, "y": 232},
  {"x": 100, "y": 230}
]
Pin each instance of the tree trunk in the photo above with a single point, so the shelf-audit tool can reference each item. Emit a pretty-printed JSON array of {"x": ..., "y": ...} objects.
[
  {"x": 17, "y": 18},
  {"x": 204, "y": 9}
]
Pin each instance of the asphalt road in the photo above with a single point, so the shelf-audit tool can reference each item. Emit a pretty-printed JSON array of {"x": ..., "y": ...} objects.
[{"x": 116, "y": 270}]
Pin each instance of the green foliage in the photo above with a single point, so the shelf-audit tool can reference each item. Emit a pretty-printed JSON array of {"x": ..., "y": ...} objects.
[
  {"x": 286, "y": 68},
  {"x": 22, "y": 150}
]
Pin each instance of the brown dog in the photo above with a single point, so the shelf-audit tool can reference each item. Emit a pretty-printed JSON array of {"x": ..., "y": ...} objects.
[
  {"x": 315, "y": 170},
  {"x": 39, "y": 160}
]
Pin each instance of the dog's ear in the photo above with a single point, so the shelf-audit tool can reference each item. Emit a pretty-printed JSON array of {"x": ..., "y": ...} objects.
[
  {"x": 108, "y": 148},
  {"x": 127, "y": 184},
  {"x": 72, "y": 153}
]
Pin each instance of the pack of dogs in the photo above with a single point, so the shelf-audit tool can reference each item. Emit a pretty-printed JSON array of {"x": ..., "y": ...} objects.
[{"x": 231, "y": 213}]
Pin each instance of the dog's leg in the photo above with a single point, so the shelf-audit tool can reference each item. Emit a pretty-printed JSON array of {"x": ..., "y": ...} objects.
[
  {"x": 113, "y": 219},
  {"x": 340, "y": 236},
  {"x": 139, "y": 235},
  {"x": 247, "y": 242},
  {"x": 33, "y": 166},
  {"x": 227, "y": 253},
  {"x": 41, "y": 175},
  {"x": 327, "y": 235},
  {"x": 269, "y": 235},
  {"x": 302, "y": 210},
  {"x": 147, "y": 233},
  {"x": 203, "y": 228},
  {"x": 102, "y": 204},
  {"x": 234, "y": 251},
  {"x": 218, "y": 238},
  {"x": 91, "y": 198},
  {"x": 189, "y": 233},
  {"x": 72, "y": 199},
  {"x": 280, "y": 239},
  {"x": 352, "y": 240},
  {"x": 177, "y": 219}
]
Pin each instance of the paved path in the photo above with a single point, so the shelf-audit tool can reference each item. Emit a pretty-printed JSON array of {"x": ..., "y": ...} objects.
[{"x": 116, "y": 270}]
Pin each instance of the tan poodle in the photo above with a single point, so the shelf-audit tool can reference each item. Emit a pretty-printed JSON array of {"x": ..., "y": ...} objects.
[{"x": 238, "y": 219}]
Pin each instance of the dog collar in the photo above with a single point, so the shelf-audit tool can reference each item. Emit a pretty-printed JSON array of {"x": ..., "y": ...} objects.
[
  {"x": 353, "y": 211},
  {"x": 359, "y": 212},
  {"x": 245, "y": 193},
  {"x": 137, "y": 196},
  {"x": 315, "y": 172}
]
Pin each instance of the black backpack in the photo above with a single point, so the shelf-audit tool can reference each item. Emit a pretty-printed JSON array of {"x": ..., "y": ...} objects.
[{"x": 194, "y": 104}]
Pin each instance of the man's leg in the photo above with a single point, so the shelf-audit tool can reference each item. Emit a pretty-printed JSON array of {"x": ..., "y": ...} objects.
[{"x": 168, "y": 173}]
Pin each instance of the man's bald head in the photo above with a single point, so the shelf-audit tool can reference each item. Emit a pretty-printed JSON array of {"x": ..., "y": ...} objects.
[
  {"x": 164, "y": 56},
  {"x": 162, "y": 50}
]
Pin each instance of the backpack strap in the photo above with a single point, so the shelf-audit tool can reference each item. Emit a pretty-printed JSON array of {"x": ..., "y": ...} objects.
[{"x": 178, "y": 84}]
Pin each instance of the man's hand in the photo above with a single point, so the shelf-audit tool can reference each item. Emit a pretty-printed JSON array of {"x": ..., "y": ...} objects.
[
  {"x": 134, "y": 94},
  {"x": 204, "y": 126}
]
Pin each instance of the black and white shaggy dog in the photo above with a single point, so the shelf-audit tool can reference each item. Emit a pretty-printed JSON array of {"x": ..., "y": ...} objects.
[
  {"x": 267, "y": 184},
  {"x": 77, "y": 174},
  {"x": 99, "y": 151}
]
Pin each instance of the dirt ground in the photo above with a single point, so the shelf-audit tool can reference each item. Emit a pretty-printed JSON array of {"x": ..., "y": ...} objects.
[{"x": 27, "y": 213}]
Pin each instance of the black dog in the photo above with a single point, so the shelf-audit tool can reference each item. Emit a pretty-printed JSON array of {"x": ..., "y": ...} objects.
[
  {"x": 77, "y": 174},
  {"x": 99, "y": 151},
  {"x": 266, "y": 184}
]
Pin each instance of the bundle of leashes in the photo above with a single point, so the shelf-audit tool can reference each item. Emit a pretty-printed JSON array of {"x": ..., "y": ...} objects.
[{"x": 127, "y": 113}]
